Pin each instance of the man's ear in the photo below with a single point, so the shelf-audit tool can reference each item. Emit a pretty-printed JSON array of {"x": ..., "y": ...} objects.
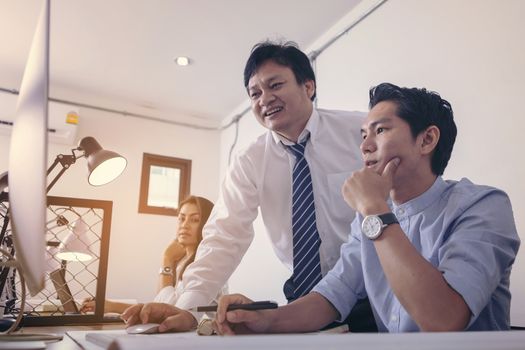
[
  {"x": 429, "y": 139},
  {"x": 310, "y": 88}
]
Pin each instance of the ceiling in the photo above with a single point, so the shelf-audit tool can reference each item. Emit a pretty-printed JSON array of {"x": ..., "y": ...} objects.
[{"x": 119, "y": 54}]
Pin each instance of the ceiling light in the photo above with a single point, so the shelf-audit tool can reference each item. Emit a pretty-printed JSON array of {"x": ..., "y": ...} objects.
[{"x": 182, "y": 61}]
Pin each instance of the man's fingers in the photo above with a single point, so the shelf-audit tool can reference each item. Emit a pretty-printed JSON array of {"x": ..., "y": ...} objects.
[
  {"x": 390, "y": 168},
  {"x": 236, "y": 321},
  {"x": 239, "y": 316},
  {"x": 144, "y": 314},
  {"x": 223, "y": 317},
  {"x": 130, "y": 311},
  {"x": 222, "y": 328},
  {"x": 131, "y": 314},
  {"x": 181, "y": 322},
  {"x": 178, "y": 320},
  {"x": 227, "y": 300}
]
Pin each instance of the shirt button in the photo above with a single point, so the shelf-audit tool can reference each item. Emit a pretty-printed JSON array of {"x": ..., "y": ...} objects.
[
  {"x": 393, "y": 318},
  {"x": 400, "y": 212}
]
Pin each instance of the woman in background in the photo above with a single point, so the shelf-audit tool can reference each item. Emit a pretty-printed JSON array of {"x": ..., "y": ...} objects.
[{"x": 193, "y": 214}]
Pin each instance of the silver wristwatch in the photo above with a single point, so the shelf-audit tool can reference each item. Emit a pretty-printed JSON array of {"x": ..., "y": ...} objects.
[
  {"x": 374, "y": 225},
  {"x": 166, "y": 270}
]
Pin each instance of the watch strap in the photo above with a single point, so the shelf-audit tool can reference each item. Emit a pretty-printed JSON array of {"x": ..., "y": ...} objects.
[{"x": 388, "y": 219}]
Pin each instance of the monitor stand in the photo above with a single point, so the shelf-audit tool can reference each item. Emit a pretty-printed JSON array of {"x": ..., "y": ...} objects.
[{"x": 6, "y": 323}]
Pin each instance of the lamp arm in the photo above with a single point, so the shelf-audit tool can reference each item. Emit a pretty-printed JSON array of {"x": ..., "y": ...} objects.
[{"x": 66, "y": 161}]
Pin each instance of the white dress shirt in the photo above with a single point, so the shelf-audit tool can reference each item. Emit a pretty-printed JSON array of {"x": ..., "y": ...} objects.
[
  {"x": 261, "y": 177},
  {"x": 170, "y": 294}
]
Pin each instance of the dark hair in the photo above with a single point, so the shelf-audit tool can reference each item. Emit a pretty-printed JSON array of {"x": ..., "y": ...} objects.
[
  {"x": 286, "y": 54},
  {"x": 421, "y": 108},
  {"x": 205, "y": 207}
]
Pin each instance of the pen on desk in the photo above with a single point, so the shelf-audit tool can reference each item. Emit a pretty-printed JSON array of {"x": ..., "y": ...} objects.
[{"x": 256, "y": 305}]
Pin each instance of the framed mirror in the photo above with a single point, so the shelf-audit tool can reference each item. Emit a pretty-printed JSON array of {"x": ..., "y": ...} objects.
[{"x": 165, "y": 181}]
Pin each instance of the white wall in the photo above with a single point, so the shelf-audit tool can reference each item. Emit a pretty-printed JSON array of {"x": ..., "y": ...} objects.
[
  {"x": 137, "y": 240},
  {"x": 472, "y": 53}
]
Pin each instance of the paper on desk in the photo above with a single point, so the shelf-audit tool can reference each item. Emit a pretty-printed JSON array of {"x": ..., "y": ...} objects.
[
  {"x": 79, "y": 337},
  {"x": 105, "y": 339},
  {"x": 156, "y": 341}
]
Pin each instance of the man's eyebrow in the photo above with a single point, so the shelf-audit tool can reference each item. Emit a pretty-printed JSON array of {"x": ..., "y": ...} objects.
[
  {"x": 374, "y": 123},
  {"x": 269, "y": 80}
]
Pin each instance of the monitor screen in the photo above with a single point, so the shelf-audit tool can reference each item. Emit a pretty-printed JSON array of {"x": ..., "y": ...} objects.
[{"x": 28, "y": 160}]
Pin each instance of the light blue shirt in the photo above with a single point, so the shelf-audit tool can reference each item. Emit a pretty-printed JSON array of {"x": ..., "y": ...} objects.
[{"x": 465, "y": 230}]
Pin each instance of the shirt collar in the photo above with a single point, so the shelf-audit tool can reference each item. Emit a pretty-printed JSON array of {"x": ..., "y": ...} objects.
[
  {"x": 309, "y": 129},
  {"x": 424, "y": 200}
]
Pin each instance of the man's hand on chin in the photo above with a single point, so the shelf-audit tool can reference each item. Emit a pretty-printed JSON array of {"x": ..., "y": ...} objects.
[{"x": 367, "y": 191}]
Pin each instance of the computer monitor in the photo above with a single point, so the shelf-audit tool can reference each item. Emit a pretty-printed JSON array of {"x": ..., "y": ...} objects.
[
  {"x": 27, "y": 169},
  {"x": 28, "y": 160}
]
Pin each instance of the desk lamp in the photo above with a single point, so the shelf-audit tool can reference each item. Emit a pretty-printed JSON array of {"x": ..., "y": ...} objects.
[
  {"x": 103, "y": 166},
  {"x": 75, "y": 245}
]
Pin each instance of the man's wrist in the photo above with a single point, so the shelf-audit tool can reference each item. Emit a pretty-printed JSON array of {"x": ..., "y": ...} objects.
[
  {"x": 168, "y": 261},
  {"x": 375, "y": 209}
]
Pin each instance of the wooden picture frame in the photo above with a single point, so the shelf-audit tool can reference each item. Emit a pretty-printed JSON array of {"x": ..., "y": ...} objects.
[{"x": 154, "y": 161}]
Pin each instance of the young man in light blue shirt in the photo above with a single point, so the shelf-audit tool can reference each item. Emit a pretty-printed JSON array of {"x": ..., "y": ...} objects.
[{"x": 433, "y": 255}]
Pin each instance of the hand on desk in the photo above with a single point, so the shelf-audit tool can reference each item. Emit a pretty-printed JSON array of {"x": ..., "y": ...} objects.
[
  {"x": 170, "y": 318},
  {"x": 110, "y": 306},
  {"x": 88, "y": 305},
  {"x": 240, "y": 321}
]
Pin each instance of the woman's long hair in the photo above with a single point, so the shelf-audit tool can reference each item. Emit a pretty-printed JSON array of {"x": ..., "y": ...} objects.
[{"x": 205, "y": 206}]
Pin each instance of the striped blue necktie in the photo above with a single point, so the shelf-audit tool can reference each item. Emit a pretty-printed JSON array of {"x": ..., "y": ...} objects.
[{"x": 306, "y": 241}]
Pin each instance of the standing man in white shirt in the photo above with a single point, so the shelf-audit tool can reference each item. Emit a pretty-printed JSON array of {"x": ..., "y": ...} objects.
[{"x": 281, "y": 85}]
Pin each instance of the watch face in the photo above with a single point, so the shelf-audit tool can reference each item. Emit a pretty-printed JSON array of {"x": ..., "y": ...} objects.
[
  {"x": 166, "y": 270},
  {"x": 372, "y": 226}
]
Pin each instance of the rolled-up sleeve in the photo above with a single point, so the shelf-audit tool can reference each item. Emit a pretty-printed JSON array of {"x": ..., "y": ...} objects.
[{"x": 480, "y": 250}]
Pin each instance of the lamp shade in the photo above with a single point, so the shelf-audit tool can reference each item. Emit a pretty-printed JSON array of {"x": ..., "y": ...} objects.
[
  {"x": 75, "y": 246},
  {"x": 103, "y": 166}
]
